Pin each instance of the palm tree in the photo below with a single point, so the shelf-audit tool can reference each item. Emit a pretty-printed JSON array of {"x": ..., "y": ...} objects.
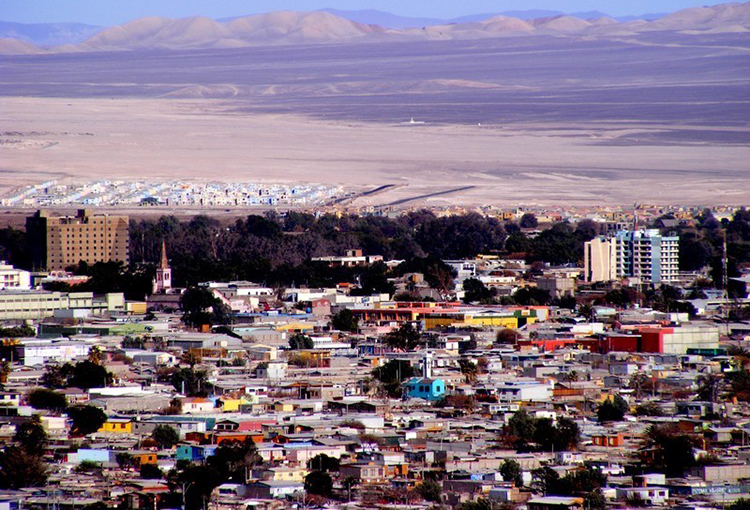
[
  {"x": 95, "y": 355},
  {"x": 468, "y": 369},
  {"x": 190, "y": 358},
  {"x": 5, "y": 371}
]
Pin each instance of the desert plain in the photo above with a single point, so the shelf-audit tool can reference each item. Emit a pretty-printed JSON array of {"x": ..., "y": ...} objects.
[{"x": 662, "y": 118}]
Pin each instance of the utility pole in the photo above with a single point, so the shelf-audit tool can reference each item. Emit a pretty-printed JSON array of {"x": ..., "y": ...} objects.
[{"x": 724, "y": 265}]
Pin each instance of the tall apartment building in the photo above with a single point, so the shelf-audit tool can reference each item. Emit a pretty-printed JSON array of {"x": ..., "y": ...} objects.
[
  {"x": 57, "y": 242},
  {"x": 645, "y": 255}
]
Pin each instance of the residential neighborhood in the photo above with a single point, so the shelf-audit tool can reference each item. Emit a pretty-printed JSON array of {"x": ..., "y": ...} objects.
[{"x": 490, "y": 381}]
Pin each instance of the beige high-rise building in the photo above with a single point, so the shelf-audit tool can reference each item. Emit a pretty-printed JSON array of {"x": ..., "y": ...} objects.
[
  {"x": 57, "y": 242},
  {"x": 644, "y": 255},
  {"x": 600, "y": 260}
]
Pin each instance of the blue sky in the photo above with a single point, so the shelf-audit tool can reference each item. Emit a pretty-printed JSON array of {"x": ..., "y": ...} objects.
[{"x": 111, "y": 12}]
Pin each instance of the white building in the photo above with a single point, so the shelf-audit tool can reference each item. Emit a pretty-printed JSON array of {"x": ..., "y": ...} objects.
[
  {"x": 523, "y": 391},
  {"x": 41, "y": 352},
  {"x": 12, "y": 278},
  {"x": 652, "y": 496}
]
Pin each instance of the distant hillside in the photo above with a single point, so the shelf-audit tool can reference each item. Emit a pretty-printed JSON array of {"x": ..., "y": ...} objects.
[
  {"x": 289, "y": 28},
  {"x": 16, "y": 47},
  {"x": 48, "y": 34},
  {"x": 388, "y": 20},
  {"x": 384, "y": 19},
  {"x": 200, "y": 32}
]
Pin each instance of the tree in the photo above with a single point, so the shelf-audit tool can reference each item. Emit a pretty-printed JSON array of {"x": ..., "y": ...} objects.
[
  {"x": 165, "y": 436},
  {"x": 95, "y": 355},
  {"x": 200, "y": 307},
  {"x": 595, "y": 500},
  {"x": 20, "y": 468},
  {"x": 87, "y": 374},
  {"x": 319, "y": 483},
  {"x": 56, "y": 376},
  {"x": 42, "y": 398},
  {"x": 710, "y": 387},
  {"x": 31, "y": 436},
  {"x": 151, "y": 472},
  {"x": 233, "y": 460},
  {"x": 457, "y": 401},
  {"x": 300, "y": 341},
  {"x": 430, "y": 490},
  {"x": 480, "y": 504},
  {"x": 86, "y": 419},
  {"x": 506, "y": 336},
  {"x": 125, "y": 460},
  {"x": 612, "y": 409},
  {"x": 392, "y": 373},
  {"x": 190, "y": 358},
  {"x": 531, "y": 296},
  {"x": 648, "y": 409},
  {"x": 196, "y": 482},
  {"x": 545, "y": 480},
  {"x": 475, "y": 290},
  {"x": 520, "y": 429},
  {"x": 132, "y": 343},
  {"x": 345, "y": 320},
  {"x": 567, "y": 434},
  {"x": 512, "y": 472},
  {"x": 469, "y": 369},
  {"x": 189, "y": 381},
  {"x": 349, "y": 483},
  {"x": 546, "y": 435},
  {"x": 405, "y": 338},
  {"x": 5, "y": 371},
  {"x": 667, "y": 451},
  {"x": 323, "y": 462},
  {"x": 528, "y": 220},
  {"x": 740, "y": 504},
  {"x": 739, "y": 384}
]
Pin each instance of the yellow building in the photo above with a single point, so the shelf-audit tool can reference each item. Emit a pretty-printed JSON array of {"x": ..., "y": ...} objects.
[
  {"x": 476, "y": 318},
  {"x": 57, "y": 242},
  {"x": 117, "y": 426},
  {"x": 283, "y": 407},
  {"x": 232, "y": 405},
  {"x": 296, "y": 327},
  {"x": 285, "y": 474}
]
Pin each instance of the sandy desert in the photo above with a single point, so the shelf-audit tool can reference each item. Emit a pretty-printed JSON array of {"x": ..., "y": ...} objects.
[{"x": 658, "y": 118}]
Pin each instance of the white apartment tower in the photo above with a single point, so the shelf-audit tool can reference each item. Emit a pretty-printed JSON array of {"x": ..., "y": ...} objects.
[{"x": 644, "y": 255}]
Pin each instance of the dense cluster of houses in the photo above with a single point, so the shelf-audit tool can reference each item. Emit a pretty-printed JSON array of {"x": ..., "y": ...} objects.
[{"x": 444, "y": 419}]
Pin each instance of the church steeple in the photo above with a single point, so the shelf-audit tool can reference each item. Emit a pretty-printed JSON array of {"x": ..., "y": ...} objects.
[
  {"x": 163, "y": 263},
  {"x": 163, "y": 278}
]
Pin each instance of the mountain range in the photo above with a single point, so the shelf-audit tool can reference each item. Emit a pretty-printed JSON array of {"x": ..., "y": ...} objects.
[
  {"x": 388, "y": 20},
  {"x": 288, "y": 28}
]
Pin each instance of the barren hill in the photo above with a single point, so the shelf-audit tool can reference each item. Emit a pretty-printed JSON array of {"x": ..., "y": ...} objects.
[
  {"x": 201, "y": 32},
  {"x": 287, "y": 28},
  {"x": 16, "y": 47}
]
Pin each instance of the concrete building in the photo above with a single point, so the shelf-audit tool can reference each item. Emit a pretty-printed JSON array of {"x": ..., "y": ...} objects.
[
  {"x": 600, "y": 262},
  {"x": 644, "y": 255},
  {"x": 41, "y": 352},
  {"x": 57, "y": 242},
  {"x": 35, "y": 305},
  {"x": 557, "y": 286},
  {"x": 12, "y": 278},
  {"x": 353, "y": 258}
]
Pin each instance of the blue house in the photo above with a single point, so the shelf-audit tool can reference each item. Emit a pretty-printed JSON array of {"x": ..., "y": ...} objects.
[
  {"x": 424, "y": 387},
  {"x": 195, "y": 453}
]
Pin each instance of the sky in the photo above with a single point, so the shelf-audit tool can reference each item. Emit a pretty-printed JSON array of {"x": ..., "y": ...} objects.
[{"x": 113, "y": 12}]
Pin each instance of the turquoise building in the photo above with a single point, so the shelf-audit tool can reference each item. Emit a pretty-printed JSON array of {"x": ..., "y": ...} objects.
[{"x": 424, "y": 387}]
